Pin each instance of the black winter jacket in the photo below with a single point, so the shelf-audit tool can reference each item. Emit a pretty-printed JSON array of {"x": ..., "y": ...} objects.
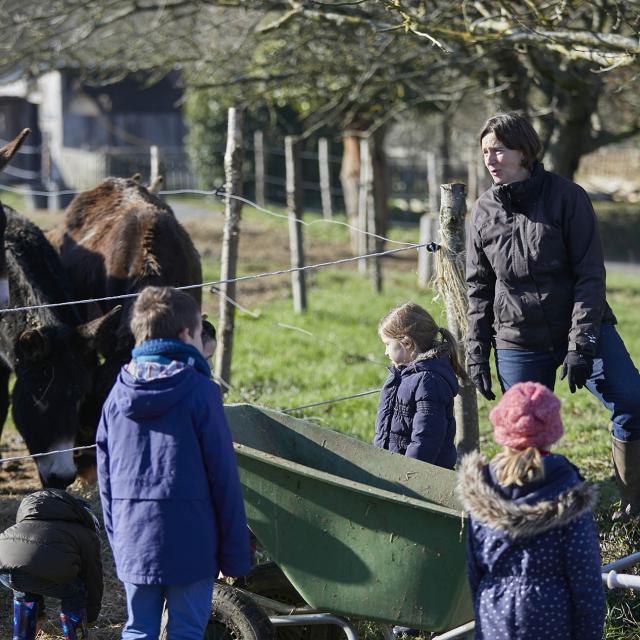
[
  {"x": 54, "y": 539},
  {"x": 535, "y": 270}
]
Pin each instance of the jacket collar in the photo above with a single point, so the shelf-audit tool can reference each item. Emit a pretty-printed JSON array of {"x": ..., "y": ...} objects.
[
  {"x": 518, "y": 519},
  {"x": 524, "y": 190},
  {"x": 437, "y": 351}
]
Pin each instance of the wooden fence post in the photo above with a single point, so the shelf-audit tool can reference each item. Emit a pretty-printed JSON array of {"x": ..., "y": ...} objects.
[
  {"x": 374, "y": 245},
  {"x": 452, "y": 225},
  {"x": 472, "y": 175},
  {"x": 433, "y": 182},
  {"x": 325, "y": 178},
  {"x": 259, "y": 167},
  {"x": 154, "y": 163},
  {"x": 364, "y": 201},
  {"x": 230, "y": 239},
  {"x": 425, "y": 258},
  {"x": 294, "y": 209}
]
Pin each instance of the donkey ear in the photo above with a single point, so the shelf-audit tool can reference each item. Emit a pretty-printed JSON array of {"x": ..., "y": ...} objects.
[
  {"x": 34, "y": 345},
  {"x": 100, "y": 334},
  {"x": 9, "y": 150}
]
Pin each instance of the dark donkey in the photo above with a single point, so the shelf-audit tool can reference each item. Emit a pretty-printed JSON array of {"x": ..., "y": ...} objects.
[
  {"x": 117, "y": 239},
  {"x": 52, "y": 355}
]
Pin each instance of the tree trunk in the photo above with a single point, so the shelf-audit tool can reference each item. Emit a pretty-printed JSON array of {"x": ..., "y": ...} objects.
[{"x": 571, "y": 134}]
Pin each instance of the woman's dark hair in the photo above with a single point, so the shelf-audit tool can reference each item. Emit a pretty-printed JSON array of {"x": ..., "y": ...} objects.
[{"x": 515, "y": 132}]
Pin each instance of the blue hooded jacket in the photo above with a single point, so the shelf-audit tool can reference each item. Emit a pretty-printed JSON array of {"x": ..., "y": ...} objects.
[
  {"x": 532, "y": 554},
  {"x": 415, "y": 412},
  {"x": 169, "y": 486}
]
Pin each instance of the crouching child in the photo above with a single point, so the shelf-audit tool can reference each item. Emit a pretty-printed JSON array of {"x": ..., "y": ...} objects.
[
  {"x": 169, "y": 485},
  {"x": 53, "y": 550}
]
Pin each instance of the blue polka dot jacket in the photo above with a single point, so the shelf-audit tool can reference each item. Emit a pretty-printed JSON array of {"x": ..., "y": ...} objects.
[
  {"x": 533, "y": 557},
  {"x": 415, "y": 411}
]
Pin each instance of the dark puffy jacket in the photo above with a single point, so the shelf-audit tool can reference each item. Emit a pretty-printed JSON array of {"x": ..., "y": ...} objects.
[
  {"x": 533, "y": 556},
  {"x": 54, "y": 539},
  {"x": 415, "y": 412},
  {"x": 535, "y": 271}
]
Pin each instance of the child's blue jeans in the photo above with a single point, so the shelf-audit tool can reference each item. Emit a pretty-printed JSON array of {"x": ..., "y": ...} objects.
[{"x": 189, "y": 607}]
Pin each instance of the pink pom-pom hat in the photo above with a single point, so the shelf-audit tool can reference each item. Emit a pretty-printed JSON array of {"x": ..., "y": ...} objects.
[{"x": 528, "y": 415}]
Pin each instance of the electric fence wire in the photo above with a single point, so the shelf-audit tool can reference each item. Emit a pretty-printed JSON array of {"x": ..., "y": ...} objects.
[{"x": 431, "y": 246}]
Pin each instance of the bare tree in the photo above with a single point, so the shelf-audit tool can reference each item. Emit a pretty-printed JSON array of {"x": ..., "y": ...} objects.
[{"x": 356, "y": 64}]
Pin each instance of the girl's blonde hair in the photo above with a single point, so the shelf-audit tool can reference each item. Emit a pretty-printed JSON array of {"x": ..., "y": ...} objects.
[
  {"x": 514, "y": 466},
  {"x": 414, "y": 326}
]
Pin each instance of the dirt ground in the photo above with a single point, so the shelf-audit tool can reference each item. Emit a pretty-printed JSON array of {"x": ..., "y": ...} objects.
[{"x": 257, "y": 253}]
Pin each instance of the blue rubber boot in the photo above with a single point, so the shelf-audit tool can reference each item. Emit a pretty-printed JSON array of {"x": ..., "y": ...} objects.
[
  {"x": 25, "y": 619},
  {"x": 74, "y": 625}
]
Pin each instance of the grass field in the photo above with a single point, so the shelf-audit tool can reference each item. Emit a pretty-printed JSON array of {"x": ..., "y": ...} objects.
[{"x": 283, "y": 360}]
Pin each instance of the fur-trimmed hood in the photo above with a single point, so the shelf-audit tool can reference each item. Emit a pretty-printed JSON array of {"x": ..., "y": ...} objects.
[
  {"x": 519, "y": 518},
  {"x": 437, "y": 351},
  {"x": 435, "y": 361}
]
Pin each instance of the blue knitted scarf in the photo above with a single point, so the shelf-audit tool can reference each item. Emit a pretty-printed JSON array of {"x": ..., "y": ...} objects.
[{"x": 163, "y": 351}]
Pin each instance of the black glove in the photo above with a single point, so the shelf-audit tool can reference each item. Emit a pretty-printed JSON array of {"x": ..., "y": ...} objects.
[
  {"x": 480, "y": 375},
  {"x": 577, "y": 367}
]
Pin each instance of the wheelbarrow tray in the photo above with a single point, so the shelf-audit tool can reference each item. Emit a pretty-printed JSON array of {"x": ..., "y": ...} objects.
[{"x": 358, "y": 531}]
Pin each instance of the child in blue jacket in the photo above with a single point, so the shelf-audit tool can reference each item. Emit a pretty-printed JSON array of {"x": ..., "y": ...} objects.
[
  {"x": 169, "y": 485},
  {"x": 415, "y": 412},
  {"x": 533, "y": 556}
]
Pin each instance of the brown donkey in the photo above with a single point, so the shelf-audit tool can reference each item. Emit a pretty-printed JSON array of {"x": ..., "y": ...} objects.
[{"x": 117, "y": 239}]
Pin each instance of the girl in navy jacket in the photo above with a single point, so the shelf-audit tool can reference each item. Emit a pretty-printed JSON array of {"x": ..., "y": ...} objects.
[
  {"x": 533, "y": 556},
  {"x": 415, "y": 412}
]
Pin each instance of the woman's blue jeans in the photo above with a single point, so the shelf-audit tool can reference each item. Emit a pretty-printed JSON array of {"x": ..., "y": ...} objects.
[{"x": 615, "y": 380}]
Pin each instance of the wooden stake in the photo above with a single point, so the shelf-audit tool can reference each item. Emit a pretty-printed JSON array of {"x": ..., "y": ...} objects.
[
  {"x": 259, "y": 167},
  {"x": 230, "y": 240},
  {"x": 472, "y": 176},
  {"x": 294, "y": 208},
  {"x": 325, "y": 178},
  {"x": 364, "y": 201},
  {"x": 374, "y": 245},
  {"x": 452, "y": 224},
  {"x": 425, "y": 258},
  {"x": 433, "y": 182},
  {"x": 154, "y": 161}
]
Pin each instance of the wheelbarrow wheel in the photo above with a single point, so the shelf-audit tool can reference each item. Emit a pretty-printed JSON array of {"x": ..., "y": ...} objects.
[
  {"x": 234, "y": 616},
  {"x": 268, "y": 580}
]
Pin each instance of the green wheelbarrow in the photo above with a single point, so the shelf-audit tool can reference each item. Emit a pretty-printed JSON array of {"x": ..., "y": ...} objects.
[{"x": 360, "y": 533}]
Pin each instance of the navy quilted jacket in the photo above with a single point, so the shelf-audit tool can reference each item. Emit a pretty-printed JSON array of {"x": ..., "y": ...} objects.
[
  {"x": 415, "y": 412},
  {"x": 533, "y": 556}
]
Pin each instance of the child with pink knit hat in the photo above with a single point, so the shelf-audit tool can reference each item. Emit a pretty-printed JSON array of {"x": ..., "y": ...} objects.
[{"x": 532, "y": 547}]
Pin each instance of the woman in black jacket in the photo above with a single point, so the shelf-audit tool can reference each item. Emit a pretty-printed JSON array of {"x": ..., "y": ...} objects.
[
  {"x": 537, "y": 294},
  {"x": 53, "y": 550}
]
